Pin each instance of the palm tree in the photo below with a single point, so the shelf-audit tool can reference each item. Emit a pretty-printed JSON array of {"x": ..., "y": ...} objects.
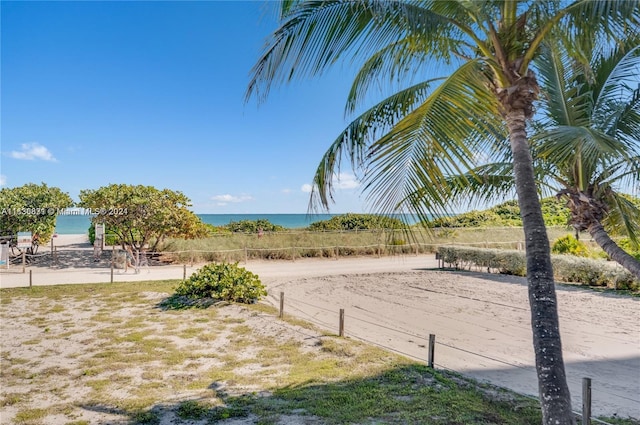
[
  {"x": 586, "y": 143},
  {"x": 590, "y": 136},
  {"x": 409, "y": 143}
]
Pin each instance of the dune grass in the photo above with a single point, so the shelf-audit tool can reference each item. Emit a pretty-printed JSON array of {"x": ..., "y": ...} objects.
[{"x": 296, "y": 244}]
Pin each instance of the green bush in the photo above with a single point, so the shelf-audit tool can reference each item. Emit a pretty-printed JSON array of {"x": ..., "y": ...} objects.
[
  {"x": 357, "y": 222},
  {"x": 566, "y": 268},
  {"x": 571, "y": 246},
  {"x": 253, "y": 226},
  {"x": 507, "y": 214},
  {"x": 630, "y": 247},
  {"x": 224, "y": 282}
]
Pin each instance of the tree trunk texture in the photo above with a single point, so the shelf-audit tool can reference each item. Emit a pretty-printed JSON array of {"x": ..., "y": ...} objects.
[
  {"x": 555, "y": 399},
  {"x": 612, "y": 249}
]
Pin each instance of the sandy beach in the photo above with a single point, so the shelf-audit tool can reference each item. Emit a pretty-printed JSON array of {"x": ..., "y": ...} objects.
[{"x": 481, "y": 321}]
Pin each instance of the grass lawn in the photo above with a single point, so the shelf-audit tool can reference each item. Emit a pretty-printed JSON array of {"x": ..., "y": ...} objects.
[{"x": 111, "y": 353}]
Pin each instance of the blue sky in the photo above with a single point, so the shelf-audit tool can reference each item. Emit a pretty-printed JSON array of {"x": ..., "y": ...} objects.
[{"x": 94, "y": 93}]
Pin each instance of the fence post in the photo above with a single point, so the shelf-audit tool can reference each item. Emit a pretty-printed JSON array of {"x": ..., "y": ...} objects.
[
  {"x": 281, "y": 305},
  {"x": 586, "y": 401},
  {"x": 113, "y": 259},
  {"x": 30, "y": 278},
  {"x": 184, "y": 272},
  {"x": 341, "y": 324},
  {"x": 432, "y": 344},
  {"x": 337, "y": 252}
]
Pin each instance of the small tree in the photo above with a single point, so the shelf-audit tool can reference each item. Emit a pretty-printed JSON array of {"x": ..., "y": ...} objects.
[
  {"x": 141, "y": 215},
  {"x": 31, "y": 208}
]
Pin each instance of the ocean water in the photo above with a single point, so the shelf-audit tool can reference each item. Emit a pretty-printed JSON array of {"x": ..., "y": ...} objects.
[{"x": 78, "y": 224}]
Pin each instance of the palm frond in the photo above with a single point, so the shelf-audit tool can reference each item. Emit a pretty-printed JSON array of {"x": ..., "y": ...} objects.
[
  {"x": 356, "y": 139},
  {"x": 622, "y": 217},
  {"x": 316, "y": 34},
  {"x": 394, "y": 65},
  {"x": 618, "y": 95},
  {"x": 565, "y": 100},
  {"x": 613, "y": 19},
  {"x": 442, "y": 137}
]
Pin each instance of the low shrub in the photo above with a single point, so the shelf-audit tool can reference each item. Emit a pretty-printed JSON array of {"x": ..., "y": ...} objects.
[
  {"x": 253, "y": 226},
  {"x": 224, "y": 282},
  {"x": 571, "y": 246},
  {"x": 358, "y": 222},
  {"x": 630, "y": 247},
  {"x": 566, "y": 268}
]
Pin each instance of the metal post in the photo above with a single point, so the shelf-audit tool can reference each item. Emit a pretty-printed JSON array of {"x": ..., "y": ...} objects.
[
  {"x": 113, "y": 259},
  {"x": 184, "y": 272},
  {"x": 341, "y": 325},
  {"x": 24, "y": 262}
]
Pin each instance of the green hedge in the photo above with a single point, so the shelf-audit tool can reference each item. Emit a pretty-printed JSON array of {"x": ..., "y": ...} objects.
[{"x": 566, "y": 268}]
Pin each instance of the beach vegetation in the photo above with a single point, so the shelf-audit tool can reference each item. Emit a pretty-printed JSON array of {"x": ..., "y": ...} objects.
[
  {"x": 566, "y": 268},
  {"x": 31, "y": 208},
  {"x": 222, "y": 282},
  {"x": 407, "y": 146},
  {"x": 554, "y": 212},
  {"x": 253, "y": 226},
  {"x": 568, "y": 244},
  {"x": 142, "y": 216},
  {"x": 357, "y": 222}
]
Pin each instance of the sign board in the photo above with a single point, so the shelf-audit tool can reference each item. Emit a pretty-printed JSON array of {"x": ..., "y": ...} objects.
[
  {"x": 24, "y": 240},
  {"x": 99, "y": 231},
  {"x": 4, "y": 255}
]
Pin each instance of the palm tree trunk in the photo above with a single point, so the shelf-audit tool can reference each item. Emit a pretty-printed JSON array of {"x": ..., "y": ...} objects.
[
  {"x": 555, "y": 399},
  {"x": 616, "y": 253}
]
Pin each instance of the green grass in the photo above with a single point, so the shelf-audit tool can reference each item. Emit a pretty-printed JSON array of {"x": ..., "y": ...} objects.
[{"x": 149, "y": 363}]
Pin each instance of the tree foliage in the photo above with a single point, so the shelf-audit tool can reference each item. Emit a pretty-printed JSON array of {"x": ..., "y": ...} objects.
[
  {"x": 141, "y": 215},
  {"x": 31, "y": 208}
]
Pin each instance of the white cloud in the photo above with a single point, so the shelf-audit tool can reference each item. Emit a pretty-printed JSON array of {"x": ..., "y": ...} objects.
[
  {"x": 286, "y": 190},
  {"x": 339, "y": 181},
  {"x": 3, "y": 179},
  {"x": 345, "y": 181},
  {"x": 32, "y": 151},
  {"x": 226, "y": 199}
]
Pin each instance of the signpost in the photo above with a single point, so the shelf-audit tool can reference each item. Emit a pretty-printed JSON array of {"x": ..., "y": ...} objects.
[
  {"x": 100, "y": 234},
  {"x": 24, "y": 240},
  {"x": 4, "y": 255}
]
